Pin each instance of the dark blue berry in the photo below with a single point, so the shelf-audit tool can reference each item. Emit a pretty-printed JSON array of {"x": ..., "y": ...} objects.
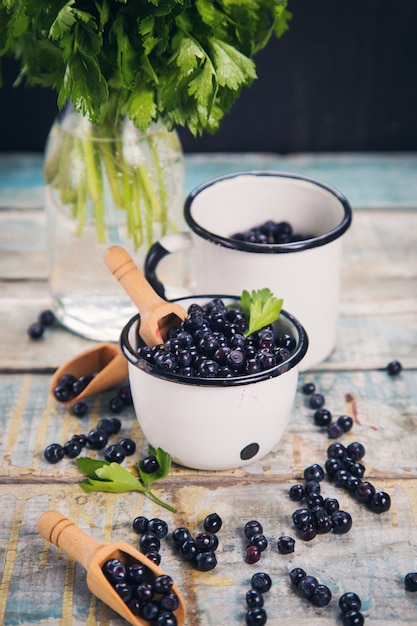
[
  {"x": 189, "y": 550},
  {"x": 256, "y": 616},
  {"x": 115, "y": 571},
  {"x": 365, "y": 492},
  {"x": 124, "y": 591},
  {"x": 356, "y": 450},
  {"x": 125, "y": 394},
  {"x": 145, "y": 592},
  {"x": 206, "y": 542},
  {"x": 259, "y": 541},
  {"x": 261, "y": 581},
  {"x": 296, "y": 492},
  {"x": 166, "y": 618},
  {"x": 46, "y": 318},
  {"x": 140, "y": 524},
  {"x": 353, "y": 618},
  {"x": 331, "y": 505},
  {"x": 136, "y": 573},
  {"x": 345, "y": 422},
  {"x": 149, "y": 464},
  {"x": 394, "y": 368},
  {"x": 149, "y": 541},
  {"x": 180, "y": 535},
  {"x": 254, "y": 599},
  {"x": 35, "y": 330},
  {"x": 341, "y": 522},
  {"x": 308, "y": 389},
  {"x": 72, "y": 448},
  {"x": 296, "y": 574},
  {"x": 115, "y": 454},
  {"x": 158, "y": 527},
  {"x": 79, "y": 409},
  {"x": 307, "y": 585},
  {"x": 316, "y": 401},
  {"x": 205, "y": 561},
  {"x": 253, "y": 527},
  {"x": 97, "y": 439},
  {"x": 381, "y": 502},
  {"x": 62, "y": 393},
  {"x": 410, "y": 581},
  {"x": 116, "y": 405},
  {"x": 128, "y": 446},
  {"x": 81, "y": 439},
  {"x": 54, "y": 453},
  {"x": 169, "y": 602},
  {"x": 308, "y": 532},
  {"x": 314, "y": 472},
  {"x": 149, "y": 611},
  {"x": 349, "y": 601},
  {"x": 153, "y": 556},
  {"x": 163, "y": 584},
  {"x": 286, "y": 545},
  {"x": 322, "y": 417},
  {"x": 212, "y": 523},
  {"x": 301, "y": 517},
  {"x": 336, "y": 451},
  {"x": 312, "y": 486},
  {"x": 334, "y": 430},
  {"x": 321, "y": 596}
]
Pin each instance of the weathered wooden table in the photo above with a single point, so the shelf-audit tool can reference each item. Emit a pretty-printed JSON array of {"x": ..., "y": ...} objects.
[{"x": 378, "y": 322}]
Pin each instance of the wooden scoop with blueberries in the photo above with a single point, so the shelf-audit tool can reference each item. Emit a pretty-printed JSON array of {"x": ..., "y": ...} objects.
[
  {"x": 118, "y": 574},
  {"x": 157, "y": 315}
]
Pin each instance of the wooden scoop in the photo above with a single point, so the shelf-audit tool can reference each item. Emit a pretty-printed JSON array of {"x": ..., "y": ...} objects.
[
  {"x": 157, "y": 316},
  {"x": 63, "y": 533},
  {"x": 104, "y": 358}
]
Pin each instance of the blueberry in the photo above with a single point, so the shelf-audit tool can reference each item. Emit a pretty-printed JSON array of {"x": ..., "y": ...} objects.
[
  {"x": 169, "y": 602},
  {"x": 35, "y": 330},
  {"x": 81, "y": 439},
  {"x": 136, "y": 573},
  {"x": 149, "y": 464},
  {"x": 128, "y": 446},
  {"x": 149, "y": 611},
  {"x": 308, "y": 389},
  {"x": 296, "y": 492},
  {"x": 322, "y": 417},
  {"x": 166, "y": 618},
  {"x": 145, "y": 592},
  {"x": 316, "y": 401},
  {"x": 307, "y": 585},
  {"x": 148, "y": 541},
  {"x": 140, "y": 524},
  {"x": 115, "y": 571},
  {"x": 336, "y": 451},
  {"x": 332, "y": 466},
  {"x": 261, "y": 581},
  {"x": 62, "y": 393},
  {"x": 355, "y": 450},
  {"x": 180, "y": 535},
  {"x": 153, "y": 556},
  {"x": 54, "y": 453},
  {"x": 212, "y": 523},
  {"x": 314, "y": 472},
  {"x": 97, "y": 439},
  {"x": 286, "y": 545},
  {"x": 321, "y": 596},
  {"x": 80, "y": 384},
  {"x": 117, "y": 424},
  {"x": 72, "y": 448},
  {"x": 308, "y": 532},
  {"x": 345, "y": 422},
  {"x": 394, "y": 368},
  {"x": 410, "y": 581},
  {"x": 254, "y": 599},
  {"x": 125, "y": 394},
  {"x": 205, "y": 561},
  {"x": 163, "y": 584},
  {"x": 341, "y": 522},
  {"x": 321, "y": 520},
  {"x": 253, "y": 527},
  {"x": 46, "y": 318},
  {"x": 301, "y": 517},
  {"x": 116, "y": 405},
  {"x": 256, "y": 616},
  {"x": 349, "y": 601},
  {"x": 189, "y": 550},
  {"x": 207, "y": 542},
  {"x": 381, "y": 502},
  {"x": 115, "y": 454},
  {"x": 158, "y": 527},
  {"x": 79, "y": 409},
  {"x": 259, "y": 541},
  {"x": 296, "y": 574},
  {"x": 314, "y": 500},
  {"x": 124, "y": 591},
  {"x": 353, "y": 618},
  {"x": 312, "y": 486},
  {"x": 334, "y": 430},
  {"x": 331, "y": 505}
]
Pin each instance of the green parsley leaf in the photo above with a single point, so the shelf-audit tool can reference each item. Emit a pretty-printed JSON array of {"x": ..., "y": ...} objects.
[
  {"x": 113, "y": 478},
  {"x": 164, "y": 461},
  {"x": 260, "y": 308}
]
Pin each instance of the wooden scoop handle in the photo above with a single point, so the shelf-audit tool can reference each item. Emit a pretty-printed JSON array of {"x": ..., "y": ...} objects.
[
  {"x": 133, "y": 282},
  {"x": 64, "y": 534}
]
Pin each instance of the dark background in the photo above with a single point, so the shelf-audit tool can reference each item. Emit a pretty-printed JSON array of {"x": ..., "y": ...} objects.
[{"x": 343, "y": 78}]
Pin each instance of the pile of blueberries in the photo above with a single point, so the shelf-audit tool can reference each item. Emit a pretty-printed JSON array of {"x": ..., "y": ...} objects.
[
  {"x": 310, "y": 588},
  {"x": 210, "y": 343},
  {"x": 70, "y": 386},
  {"x": 258, "y": 543},
  {"x": 199, "y": 550},
  {"x": 151, "y": 532},
  {"x": 322, "y": 417},
  {"x": 271, "y": 232},
  {"x": 350, "y": 604},
  {"x": 96, "y": 439},
  {"x": 256, "y": 615},
  {"x": 148, "y": 596}
]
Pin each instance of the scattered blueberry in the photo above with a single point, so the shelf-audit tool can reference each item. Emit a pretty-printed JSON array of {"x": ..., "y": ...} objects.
[
  {"x": 308, "y": 389},
  {"x": 97, "y": 439},
  {"x": 316, "y": 401},
  {"x": 394, "y": 368},
  {"x": 349, "y": 601},
  {"x": 35, "y": 330},
  {"x": 128, "y": 446},
  {"x": 261, "y": 581},
  {"x": 256, "y": 616},
  {"x": 410, "y": 581},
  {"x": 79, "y": 409},
  {"x": 286, "y": 545},
  {"x": 353, "y": 618},
  {"x": 54, "y": 453},
  {"x": 116, "y": 405},
  {"x": 212, "y": 523},
  {"x": 115, "y": 454},
  {"x": 149, "y": 464}
]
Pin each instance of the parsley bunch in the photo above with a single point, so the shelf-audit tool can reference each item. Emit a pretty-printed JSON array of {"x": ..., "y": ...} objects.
[{"x": 183, "y": 60}]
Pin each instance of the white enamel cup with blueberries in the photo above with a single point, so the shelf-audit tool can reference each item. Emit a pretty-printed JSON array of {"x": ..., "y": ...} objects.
[
  {"x": 305, "y": 273},
  {"x": 214, "y": 423}
]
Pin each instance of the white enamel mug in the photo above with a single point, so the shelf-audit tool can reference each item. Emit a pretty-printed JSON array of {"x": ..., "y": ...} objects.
[
  {"x": 305, "y": 273},
  {"x": 214, "y": 423}
]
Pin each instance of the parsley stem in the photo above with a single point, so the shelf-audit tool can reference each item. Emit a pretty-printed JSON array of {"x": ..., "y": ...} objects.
[{"x": 157, "y": 500}]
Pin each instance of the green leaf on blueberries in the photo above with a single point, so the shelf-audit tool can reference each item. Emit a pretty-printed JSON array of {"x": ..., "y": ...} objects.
[
  {"x": 113, "y": 478},
  {"x": 260, "y": 308},
  {"x": 164, "y": 461}
]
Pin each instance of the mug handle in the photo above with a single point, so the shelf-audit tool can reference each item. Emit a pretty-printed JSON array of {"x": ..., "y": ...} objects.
[{"x": 176, "y": 242}]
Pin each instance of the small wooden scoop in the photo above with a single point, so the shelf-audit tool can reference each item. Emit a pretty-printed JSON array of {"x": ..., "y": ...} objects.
[
  {"x": 157, "y": 316},
  {"x": 63, "y": 533},
  {"x": 104, "y": 358}
]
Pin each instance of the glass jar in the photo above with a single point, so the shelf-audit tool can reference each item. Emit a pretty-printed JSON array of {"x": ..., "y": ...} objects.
[{"x": 105, "y": 185}]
